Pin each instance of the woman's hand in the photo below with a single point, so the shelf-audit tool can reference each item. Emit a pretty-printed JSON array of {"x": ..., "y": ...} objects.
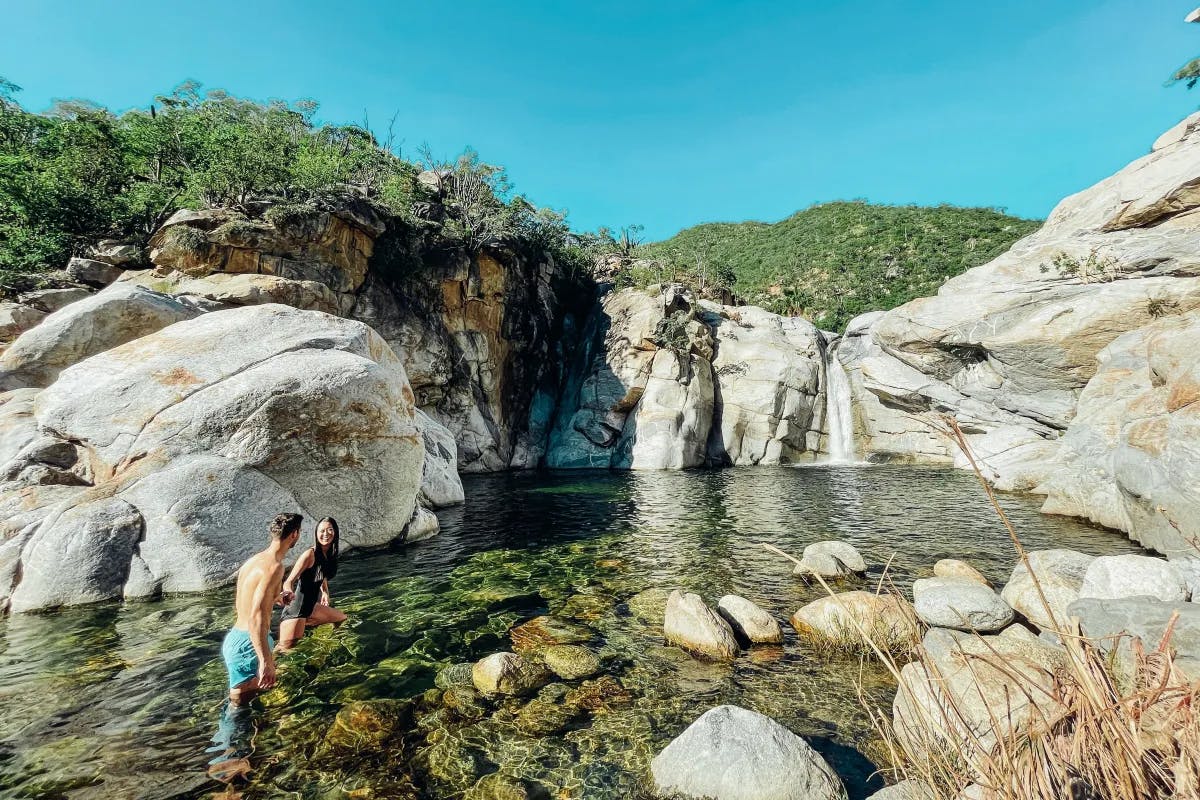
[{"x": 325, "y": 600}]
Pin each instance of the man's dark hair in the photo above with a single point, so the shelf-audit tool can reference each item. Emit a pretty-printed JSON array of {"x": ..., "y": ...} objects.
[{"x": 284, "y": 525}]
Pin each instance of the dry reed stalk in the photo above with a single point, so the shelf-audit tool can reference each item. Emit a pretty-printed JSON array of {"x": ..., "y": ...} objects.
[{"x": 1086, "y": 738}]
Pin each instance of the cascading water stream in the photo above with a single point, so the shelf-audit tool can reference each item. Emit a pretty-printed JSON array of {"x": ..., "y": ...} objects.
[{"x": 838, "y": 415}]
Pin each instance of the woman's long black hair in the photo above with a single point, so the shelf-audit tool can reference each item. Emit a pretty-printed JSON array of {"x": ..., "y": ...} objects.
[{"x": 327, "y": 563}]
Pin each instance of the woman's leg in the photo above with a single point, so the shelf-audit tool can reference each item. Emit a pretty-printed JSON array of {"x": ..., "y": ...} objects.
[
  {"x": 291, "y": 631},
  {"x": 324, "y": 615}
]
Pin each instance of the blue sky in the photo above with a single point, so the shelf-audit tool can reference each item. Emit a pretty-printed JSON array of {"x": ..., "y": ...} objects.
[{"x": 672, "y": 113}]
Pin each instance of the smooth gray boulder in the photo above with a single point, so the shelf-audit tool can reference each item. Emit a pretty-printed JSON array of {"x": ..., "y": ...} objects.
[
  {"x": 847, "y": 618},
  {"x": 960, "y": 603},
  {"x": 692, "y": 625},
  {"x": 1060, "y": 573},
  {"x": 831, "y": 559},
  {"x": 441, "y": 485},
  {"x": 92, "y": 272},
  {"x": 79, "y": 555},
  {"x": 1114, "y": 577},
  {"x": 1113, "y": 621},
  {"x": 105, "y": 320},
  {"x": 748, "y": 621},
  {"x": 730, "y": 753},
  {"x": 423, "y": 525}
]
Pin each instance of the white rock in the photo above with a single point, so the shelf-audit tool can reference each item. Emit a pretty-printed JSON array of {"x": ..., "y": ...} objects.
[
  {"x": 51, "y": 300},
  {"x": 692, "y": 625},
  {"x": 1113, "y": 577},
  {"x": 730, "y": 753},
  {"x": 309, "y": 413},
  {"x": 505, "y": 674},
  {"x": 1060, "y": 573},
  {"x": 749, "y": 621},
  {"x": 119, "y": 314},
  {"x": 423, "y": 525},
  {"x": 441, "y": 485},
  {"x": 960, "y": 603},
  {"x": 16, "y": 318}
]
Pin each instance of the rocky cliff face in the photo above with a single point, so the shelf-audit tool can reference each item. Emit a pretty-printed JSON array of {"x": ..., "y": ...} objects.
[
  {"x": 662, "y": 381},
  {"x": 1015, "y": 350}
]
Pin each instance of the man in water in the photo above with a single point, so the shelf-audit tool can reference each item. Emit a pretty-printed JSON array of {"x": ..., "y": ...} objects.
[{"x": 248, "y": 645}]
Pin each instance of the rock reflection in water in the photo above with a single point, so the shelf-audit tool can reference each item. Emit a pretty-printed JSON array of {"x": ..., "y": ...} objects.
[{"x": 122, "y": 700}]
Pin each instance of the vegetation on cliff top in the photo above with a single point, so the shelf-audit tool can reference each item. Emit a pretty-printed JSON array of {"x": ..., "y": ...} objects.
[
  {"x": 834, "y": 261},
  {"x": 80, "y": 173}
]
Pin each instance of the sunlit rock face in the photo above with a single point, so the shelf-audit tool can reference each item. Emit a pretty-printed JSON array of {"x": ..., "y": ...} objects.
[
  {"x": 1043, "y": 355},
  {"x": 663, "y": 381},
  {"x": 157, "y": 465}
]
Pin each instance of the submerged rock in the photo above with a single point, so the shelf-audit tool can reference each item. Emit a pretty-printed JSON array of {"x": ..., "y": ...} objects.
[
  {"x": 571, "y": 662},
  {"x": 749, "y": 621},
  {"x": 960, "y": 603},
  {"x": 953, "y": 568},
  {"x": 832, "y": 559},
  {"x": 649, "y": 605},
  {"x": 367, "y": 724},
  {"x": 498, "y": 786},
  {"x": 1060, "y": 574},
  {"x": 545, "y": 631},
  {"x": 692, "y": 625},
  {"x": 507, "y": 673},
  {"x": 455, "y": 675},
  {"x": 730, "y": 753}
]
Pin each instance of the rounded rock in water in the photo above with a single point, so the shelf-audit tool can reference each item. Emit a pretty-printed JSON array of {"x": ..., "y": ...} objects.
[
  {"x": 749, "y": 621},
  {"x": 730, "y": 753},
  {"x": 693, "y": 626}
]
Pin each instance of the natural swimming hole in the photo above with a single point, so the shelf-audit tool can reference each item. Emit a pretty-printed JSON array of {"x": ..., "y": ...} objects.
[{"x": 124, "y": 700}]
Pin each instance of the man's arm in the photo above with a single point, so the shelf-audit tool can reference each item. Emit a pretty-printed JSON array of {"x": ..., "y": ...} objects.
[
  {"x": 302, "y": 563},
  {"x": 264, "y": 600}
]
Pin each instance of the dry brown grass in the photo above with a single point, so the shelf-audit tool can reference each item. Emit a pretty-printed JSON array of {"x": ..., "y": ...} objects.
[{"x": 1077, "y": 729}]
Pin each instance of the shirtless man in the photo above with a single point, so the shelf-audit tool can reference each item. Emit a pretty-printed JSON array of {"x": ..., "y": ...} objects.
[{"x": 247, "y": 647}]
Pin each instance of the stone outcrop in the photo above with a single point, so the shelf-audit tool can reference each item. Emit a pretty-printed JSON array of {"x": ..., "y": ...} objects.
[
  {"x": 960, "y": 603},
  {"x": 663, "y": 381},
  {"x": 1059, "y": 578},
  {"x": 1131, "y": 458},
  {"x": 199, "y": 446},
  {"x": 1064, "y": 360}
]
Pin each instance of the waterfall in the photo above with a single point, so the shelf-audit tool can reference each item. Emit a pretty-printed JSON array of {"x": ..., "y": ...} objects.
[{"x": 838, "y": 415}]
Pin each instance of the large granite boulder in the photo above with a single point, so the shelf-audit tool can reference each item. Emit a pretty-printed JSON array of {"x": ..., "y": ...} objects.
[
  {"x": 119, "y": 314},
  {"x": 1131, "y": 458},
  {"x": 441, "y": 485},
  {"x": 730, "y": 753},
  {"x": 1059, "y": 574},
  {"x": 1114, "y": 577},
  {"x": 204, "y": 443},
  {"x": 968, "y": 691},
  {"x": 1114, "y": 623},
  {"x": 960, "y": 603}
]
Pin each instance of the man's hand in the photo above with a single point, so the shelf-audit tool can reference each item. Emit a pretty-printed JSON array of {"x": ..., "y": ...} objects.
[
  {"x": 266, "y": 673},
  {"x": 285, "y": 597}
]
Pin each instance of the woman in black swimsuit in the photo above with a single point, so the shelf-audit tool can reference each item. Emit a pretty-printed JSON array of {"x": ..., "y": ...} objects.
[{"x": 308, "y": 586}]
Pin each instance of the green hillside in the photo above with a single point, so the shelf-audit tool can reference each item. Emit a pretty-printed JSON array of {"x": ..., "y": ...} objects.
[{"x": 834, "y": 261}]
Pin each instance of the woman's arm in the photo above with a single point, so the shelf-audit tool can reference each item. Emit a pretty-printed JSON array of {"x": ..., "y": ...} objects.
[
  {"x": 325, "y": 593},
  {"x": 302, "y": 563}
]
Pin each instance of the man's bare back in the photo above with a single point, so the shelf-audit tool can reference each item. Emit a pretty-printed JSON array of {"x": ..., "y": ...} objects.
[{"x": 247, "y": 649}]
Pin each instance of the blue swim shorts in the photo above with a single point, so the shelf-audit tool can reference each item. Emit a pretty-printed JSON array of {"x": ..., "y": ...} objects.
[{"x": 240, "y": 659}]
